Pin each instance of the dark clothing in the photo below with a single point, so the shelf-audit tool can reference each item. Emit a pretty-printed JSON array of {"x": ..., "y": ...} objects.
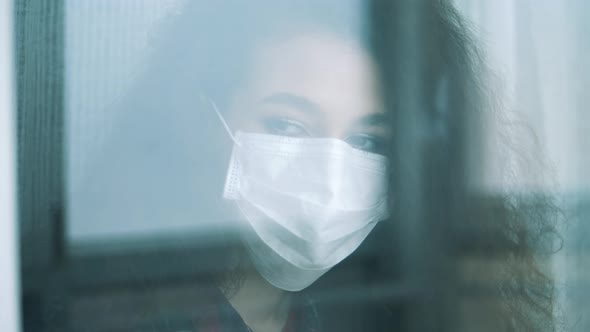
[{"x": 222, "y": 317}]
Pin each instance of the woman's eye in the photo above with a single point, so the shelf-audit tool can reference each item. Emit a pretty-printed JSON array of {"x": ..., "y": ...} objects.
[
  {"x": 367, "y": 143},
  {"x": 286, "y": 127}
]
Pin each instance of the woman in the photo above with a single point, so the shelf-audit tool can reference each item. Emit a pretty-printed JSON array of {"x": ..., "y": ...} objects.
[{"x": 302, "y": 105}]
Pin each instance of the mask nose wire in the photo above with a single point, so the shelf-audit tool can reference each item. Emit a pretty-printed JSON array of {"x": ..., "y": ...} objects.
[{"x": 221, "y": 118}]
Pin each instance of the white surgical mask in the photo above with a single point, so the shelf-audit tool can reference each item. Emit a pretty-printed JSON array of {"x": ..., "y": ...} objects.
[{"x": 310, "y": 202}]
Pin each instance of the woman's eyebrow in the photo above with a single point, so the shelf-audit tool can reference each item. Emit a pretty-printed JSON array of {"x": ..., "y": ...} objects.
[
  {"x": 288, "y": 99},
  {"x": 375, "y": 119}
]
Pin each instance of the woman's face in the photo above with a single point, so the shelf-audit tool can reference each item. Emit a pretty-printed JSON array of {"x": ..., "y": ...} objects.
[{"x": 312, "y": 85}]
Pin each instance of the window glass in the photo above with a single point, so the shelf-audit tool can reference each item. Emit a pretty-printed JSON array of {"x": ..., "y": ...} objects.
[{"x": 302, "y": 165}]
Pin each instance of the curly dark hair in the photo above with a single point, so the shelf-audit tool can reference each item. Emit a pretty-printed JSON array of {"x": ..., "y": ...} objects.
[{"x": 497, "y": 239}]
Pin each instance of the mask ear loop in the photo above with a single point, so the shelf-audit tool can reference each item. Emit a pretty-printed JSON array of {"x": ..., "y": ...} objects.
[
  {"x": 230, "y": 181},
  {"x": 221, "y": 118}
]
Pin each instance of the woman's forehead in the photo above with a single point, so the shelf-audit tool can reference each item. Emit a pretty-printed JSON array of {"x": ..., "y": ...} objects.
[{"x": 333, "y": 71}]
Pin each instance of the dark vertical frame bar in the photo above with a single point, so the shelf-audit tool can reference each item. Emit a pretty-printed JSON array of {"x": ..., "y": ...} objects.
[
  {"x": 40, "y": 121},
  {"x": 39, "y": 41},
  {"x": 421, "y": 208}
]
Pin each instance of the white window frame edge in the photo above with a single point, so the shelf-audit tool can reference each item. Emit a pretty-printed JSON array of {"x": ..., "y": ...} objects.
[{"x": 9, "y": 252}]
